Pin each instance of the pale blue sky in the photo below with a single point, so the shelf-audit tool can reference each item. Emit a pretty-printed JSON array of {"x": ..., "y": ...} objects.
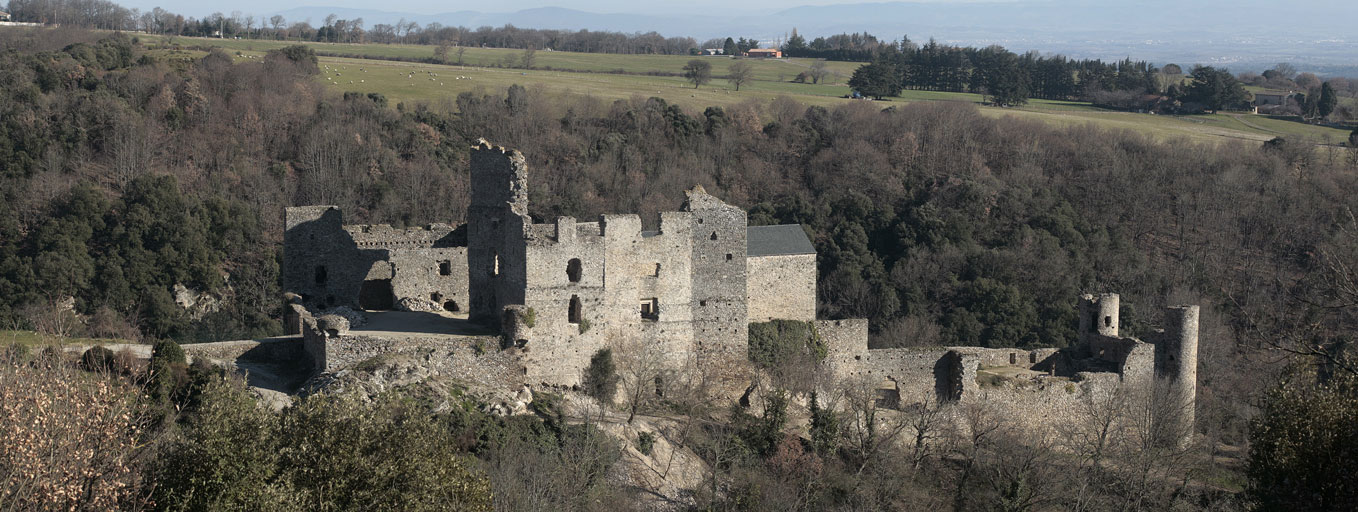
[{"x": 199, "y": 8}]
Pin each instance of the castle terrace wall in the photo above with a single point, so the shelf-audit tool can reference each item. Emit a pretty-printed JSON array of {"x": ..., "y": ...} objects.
[
  {"x": 782, "y": 287},
  {"x": 920, "y": 374}
]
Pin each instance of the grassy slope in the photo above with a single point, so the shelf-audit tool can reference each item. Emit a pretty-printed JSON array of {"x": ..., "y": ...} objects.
[
  {"x": 413, "y": 82},
  {"x": 30, "y": 339}
]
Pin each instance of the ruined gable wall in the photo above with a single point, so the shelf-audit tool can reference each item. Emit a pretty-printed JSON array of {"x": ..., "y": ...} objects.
[
  {"x": 558, "y": 351},
  {"x": 321, "y": 261},
  {"x": 781, "y": 287},
  {"x": 617, "y": 267},
  {"x": 419, "y": 273}
]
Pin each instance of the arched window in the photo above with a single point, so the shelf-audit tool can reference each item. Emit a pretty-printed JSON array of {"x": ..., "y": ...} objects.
[
  {"x": 573, "y": 270},
  {"x": 573, "y": 315}
]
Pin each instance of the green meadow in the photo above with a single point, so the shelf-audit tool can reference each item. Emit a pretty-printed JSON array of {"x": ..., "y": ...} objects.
[{"x": 368, "y": 68}]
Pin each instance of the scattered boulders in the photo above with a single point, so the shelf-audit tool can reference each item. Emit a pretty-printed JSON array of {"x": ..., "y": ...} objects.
[
  {"x": 333, "y": 325},
  {"x": 418, "y": 305},
  {"x": 355, "y": 318},
  {"x": 196, "y": 303}
]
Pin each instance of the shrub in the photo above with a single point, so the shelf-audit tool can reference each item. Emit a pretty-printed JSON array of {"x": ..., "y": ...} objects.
[
  {"x": 169, "y": 351},
  {"x": 601, "y": 376},
  {"x": 776, "y": 343},
  {"x": 226, "y": 456},
  {"x": 97, "y": 359},
  {"x": 530, "y": 318},
  {"x": 344, "y": 454},
  {"x": 645, "y": 442},
  {"x": 68, "y": 441}
]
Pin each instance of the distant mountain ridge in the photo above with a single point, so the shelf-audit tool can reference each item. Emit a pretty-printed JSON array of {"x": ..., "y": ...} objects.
[{"x": 1243, "y": 33}]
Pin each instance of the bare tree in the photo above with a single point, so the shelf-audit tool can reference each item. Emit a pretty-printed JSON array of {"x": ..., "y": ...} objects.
[
  {"x": 528, "y": 58},
  {"x": 740, "y": 73},
  {"x": 870, "y": 428},
  {"x": 818, "y": 71},
  {"x": 640, "y": 371}
]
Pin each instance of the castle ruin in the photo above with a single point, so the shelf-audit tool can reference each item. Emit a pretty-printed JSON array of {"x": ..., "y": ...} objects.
[{"x": 558, "y": 292}]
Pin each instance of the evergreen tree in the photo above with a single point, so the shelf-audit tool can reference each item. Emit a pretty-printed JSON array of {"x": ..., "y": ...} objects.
[
  {"x": 877, "y": 80},
  {"x": 1328, "y": 100},
  {"x": 729, "y": 47},
  {"x": 795, "y": 45},
  {"x": 1216, "y": 89}
]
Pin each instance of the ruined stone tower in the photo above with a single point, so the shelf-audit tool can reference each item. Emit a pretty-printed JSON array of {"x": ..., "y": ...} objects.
[
  {"x": 1176, "y": 365},
  {"x": 496, "y": 219},
  {"x": 1099, "y": 314},
  {"x": 720, "y": 316}
]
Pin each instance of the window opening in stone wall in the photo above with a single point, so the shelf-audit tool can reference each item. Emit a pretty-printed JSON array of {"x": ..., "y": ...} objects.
[
  {"x": 495, "y": 265},
  {"x": 320, "y": 274},
  {"x": 573, "y": 270},
  {"x": 729, "y": 256},
  {"x": 1032, "y": 358},
  {"x": 573, "y": 314},
  {"x": 436, "y": 297},
  {"x": 451, "y": 307},
  {"x": 650, "y": 309},
  {"x": 445, "y": 268},
  {"x": 657, "y": 270},
  {"x": 1013, "y": 358},
  {"x": 1107, "y": 321},
  {"x": 702, "y": 303},
  {"x": 376, "y": 295},
  {"x": 714, "y": 235}
]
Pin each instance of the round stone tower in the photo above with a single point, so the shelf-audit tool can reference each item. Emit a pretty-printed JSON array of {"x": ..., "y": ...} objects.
[
  {"x": 1099, "y": 314},
  {"x": 1177, "y": 365}
]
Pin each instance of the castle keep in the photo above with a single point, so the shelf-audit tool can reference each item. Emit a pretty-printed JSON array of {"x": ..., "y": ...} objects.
[{"x": 558, "y": 292}]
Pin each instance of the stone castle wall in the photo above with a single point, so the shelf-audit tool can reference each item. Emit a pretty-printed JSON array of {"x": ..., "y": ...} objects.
[
  {"x": 782, "y": 287},
  {"x": 562, "y": 290}
]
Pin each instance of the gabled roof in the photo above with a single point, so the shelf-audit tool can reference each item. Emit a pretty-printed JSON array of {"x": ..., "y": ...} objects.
[{"x": 780, "y": 240}]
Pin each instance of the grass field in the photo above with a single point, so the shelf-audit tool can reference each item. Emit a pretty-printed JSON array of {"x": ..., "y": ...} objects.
[
  {"x": 612, "y": 76},
  {"x": 32, "y": 339}
]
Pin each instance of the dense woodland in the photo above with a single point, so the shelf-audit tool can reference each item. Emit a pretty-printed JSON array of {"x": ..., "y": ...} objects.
[{"x": 123, "y": 176}]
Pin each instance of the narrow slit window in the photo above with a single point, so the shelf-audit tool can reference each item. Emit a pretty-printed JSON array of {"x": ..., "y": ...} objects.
[
  {"x": 320, "y": 274},
  {"x": 1107, "y": 321},
  {"x": 657, "y": 270},
  {"x": 573, "y": 314},
  {"x": 495, "y": 265}
]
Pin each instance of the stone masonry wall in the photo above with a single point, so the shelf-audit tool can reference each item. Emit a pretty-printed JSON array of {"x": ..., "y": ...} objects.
[{"x": 781, "y": 287}]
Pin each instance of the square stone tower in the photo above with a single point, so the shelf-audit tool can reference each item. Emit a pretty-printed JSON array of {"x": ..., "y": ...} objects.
[{"x": 496, "y": 222}]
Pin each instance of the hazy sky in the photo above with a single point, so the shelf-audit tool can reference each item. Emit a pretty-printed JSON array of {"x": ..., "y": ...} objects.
[{"x": 200, "y": 8}]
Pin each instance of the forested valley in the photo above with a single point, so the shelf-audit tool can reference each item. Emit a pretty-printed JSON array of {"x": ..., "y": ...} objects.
[{"x": 124, "y": 177}]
